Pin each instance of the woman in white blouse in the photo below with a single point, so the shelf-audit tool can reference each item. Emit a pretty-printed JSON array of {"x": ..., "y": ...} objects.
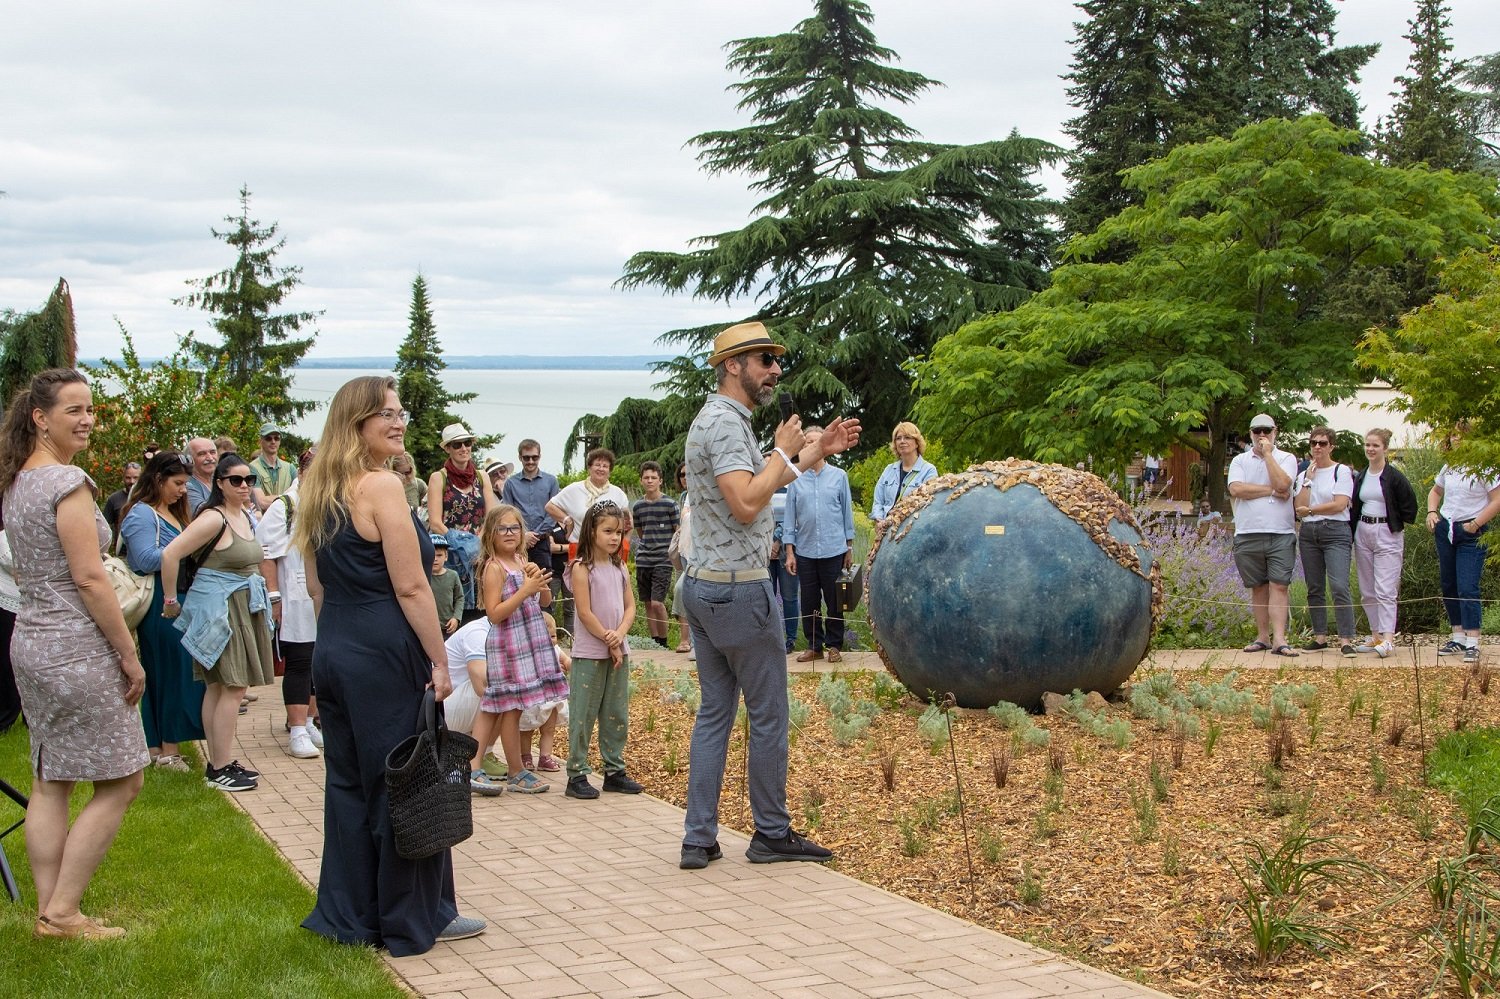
[
  {"x": 1325, "y": 542},
  {"x": 1383, "y": 504},
  {"x": 1459, "y": 509}
]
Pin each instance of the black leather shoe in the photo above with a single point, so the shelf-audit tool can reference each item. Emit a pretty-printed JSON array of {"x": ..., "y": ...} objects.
[
  {"x": 695, "y": 858},
  {"x": 579, "y": 787},
  {"x": 620, "y": 783}
]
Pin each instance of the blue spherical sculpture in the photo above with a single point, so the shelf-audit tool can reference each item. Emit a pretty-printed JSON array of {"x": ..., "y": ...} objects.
[{"x": 1009, "y": 580}]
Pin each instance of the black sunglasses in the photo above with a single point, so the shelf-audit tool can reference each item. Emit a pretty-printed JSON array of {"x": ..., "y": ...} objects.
[
  {"x": 239, "y": 480},
  {"x": 1258, "y": 431}
]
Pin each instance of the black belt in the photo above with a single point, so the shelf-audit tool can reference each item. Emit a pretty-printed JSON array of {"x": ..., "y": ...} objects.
[{"x": 1371, "y": 520}]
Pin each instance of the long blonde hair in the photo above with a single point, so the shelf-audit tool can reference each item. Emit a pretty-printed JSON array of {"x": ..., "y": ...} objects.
[{"x": 343, "y": 457}]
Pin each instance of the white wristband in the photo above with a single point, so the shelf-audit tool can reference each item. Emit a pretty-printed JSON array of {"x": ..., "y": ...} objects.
[{"x": 788, "y": 463}]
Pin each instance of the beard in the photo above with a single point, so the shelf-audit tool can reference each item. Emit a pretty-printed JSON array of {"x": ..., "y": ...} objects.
[{"x": 758, "y": 392}]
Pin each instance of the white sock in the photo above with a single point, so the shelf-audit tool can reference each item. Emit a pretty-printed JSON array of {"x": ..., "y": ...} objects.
[
  {"x": 1468, "y": 641},
  {"x": 298, "y": 728}
]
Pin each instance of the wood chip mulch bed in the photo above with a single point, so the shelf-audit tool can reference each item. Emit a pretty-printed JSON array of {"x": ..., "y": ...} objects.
[{"x": 1076, "y": 870}]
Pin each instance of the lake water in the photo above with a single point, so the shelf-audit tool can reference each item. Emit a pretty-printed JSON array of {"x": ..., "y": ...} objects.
[{"x": 542, "y": 405}]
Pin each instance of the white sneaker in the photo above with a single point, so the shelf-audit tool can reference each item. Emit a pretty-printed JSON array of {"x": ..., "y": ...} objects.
[
  {"x": 301, "y": 746},
  {"x": 315, "y": 734},
  {"x": 1384, "y": 649}
]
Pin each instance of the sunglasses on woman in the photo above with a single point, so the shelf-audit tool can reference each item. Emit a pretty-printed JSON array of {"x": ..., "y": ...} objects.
[{"x": 239, "y": 480}]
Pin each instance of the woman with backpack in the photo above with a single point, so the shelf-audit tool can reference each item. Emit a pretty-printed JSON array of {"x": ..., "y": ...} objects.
[{"x": 1325, "y": 541}]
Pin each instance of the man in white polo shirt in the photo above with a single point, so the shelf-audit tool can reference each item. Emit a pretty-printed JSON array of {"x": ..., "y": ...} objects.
[{"x": 1265, "y": 532}]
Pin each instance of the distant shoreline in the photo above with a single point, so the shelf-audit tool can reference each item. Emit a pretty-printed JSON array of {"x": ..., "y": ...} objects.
[{"x": 481, "y": 362}]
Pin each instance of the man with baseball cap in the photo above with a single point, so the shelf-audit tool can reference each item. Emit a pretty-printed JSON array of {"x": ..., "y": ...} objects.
[
  {"x": 733, "y": 613},
  {"x": 276, "y": 474},
  {"x": 1265, "y": 532}
]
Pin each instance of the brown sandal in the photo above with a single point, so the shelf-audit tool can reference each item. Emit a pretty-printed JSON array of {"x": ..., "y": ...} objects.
[{"x": 84, "y": 929}]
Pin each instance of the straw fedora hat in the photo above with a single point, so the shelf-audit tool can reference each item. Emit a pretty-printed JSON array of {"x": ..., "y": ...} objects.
[
  {"x": 742, "y": 339},
  {"x": 455, "y": 432}
]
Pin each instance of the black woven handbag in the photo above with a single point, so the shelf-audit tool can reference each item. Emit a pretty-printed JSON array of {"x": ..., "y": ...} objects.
[{"x": 427, "y": 775}]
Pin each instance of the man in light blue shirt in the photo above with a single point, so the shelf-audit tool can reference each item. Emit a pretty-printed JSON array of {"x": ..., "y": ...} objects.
[
  {"x": 529, "y": 493},
  {"x": 818, "y": 534}
]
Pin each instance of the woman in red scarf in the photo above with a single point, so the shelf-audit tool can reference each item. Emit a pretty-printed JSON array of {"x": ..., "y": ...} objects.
[{"x": 457, "y": 498}]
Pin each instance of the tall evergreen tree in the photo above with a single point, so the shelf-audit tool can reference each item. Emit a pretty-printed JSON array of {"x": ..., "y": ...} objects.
[
  {"x": 1131, "y": 60},
  {"x": 36, "y": 341},
  {"x": 869, "y": 243},
  {"x": 1482, "y": 75},
  {"x": 257, "y": 352},
  {"x": 1149, "y": 75},
  {"x": 1431, "y": 122},
  {"x": 1279, "y": 61},
  {"x": 419, "y": 364}
]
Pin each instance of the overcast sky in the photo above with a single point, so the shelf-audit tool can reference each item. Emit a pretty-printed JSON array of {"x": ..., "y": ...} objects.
[{"x": 516, "y": 152}]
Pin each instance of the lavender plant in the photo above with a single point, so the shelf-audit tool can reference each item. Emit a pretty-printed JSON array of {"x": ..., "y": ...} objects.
[{"x": 1205, "y": 600}]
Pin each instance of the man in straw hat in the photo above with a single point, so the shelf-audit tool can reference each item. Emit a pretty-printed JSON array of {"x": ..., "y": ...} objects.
[{"x": 734, "y": 615}]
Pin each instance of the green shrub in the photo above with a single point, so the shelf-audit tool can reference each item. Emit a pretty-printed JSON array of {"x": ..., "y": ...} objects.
[
  {"x": 833, "y": 694},
  {"x": 932, "y": 728}
]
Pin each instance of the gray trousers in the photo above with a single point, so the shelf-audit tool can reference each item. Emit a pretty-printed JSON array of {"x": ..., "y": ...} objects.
[
  {"x": 737, "y": 633},
  {"x": 1327, "y": 547}
]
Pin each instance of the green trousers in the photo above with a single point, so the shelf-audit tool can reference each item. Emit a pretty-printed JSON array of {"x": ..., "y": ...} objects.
[{"x": 598, "y": 693}]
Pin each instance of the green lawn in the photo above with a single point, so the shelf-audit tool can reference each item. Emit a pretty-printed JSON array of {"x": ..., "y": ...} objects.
[{"x": 211, "y": 907}]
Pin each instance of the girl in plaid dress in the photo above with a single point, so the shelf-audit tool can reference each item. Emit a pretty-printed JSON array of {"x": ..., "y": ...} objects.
[{"x": 522, "y": 670}]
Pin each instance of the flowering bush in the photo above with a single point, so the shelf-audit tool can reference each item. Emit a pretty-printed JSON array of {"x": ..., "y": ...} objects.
[
  {"x": 1206, "y": 604},
  {"x": 166, "y": 402}
]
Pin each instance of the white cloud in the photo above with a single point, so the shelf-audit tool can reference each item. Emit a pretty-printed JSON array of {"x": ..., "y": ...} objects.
[{"x": 515, "y": 152}]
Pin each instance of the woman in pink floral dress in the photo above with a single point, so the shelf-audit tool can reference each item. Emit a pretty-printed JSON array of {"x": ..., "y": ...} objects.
[{"x": 75, "y": 659}]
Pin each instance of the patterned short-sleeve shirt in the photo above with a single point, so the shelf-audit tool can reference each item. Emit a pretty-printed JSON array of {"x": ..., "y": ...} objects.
[{"x": 721, "y": 440}]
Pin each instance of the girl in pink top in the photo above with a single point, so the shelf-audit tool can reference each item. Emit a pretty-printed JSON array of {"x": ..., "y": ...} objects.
[{"x": 603, "y": 608}]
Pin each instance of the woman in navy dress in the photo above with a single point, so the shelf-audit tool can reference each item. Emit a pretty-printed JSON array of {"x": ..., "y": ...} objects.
[{"x": 379, "y": 647}]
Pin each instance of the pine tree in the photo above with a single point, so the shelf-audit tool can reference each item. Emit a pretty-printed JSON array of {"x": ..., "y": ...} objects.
[
  {"x": 1430, "y": 121},
  {"x": 1149, "y": 75},
  {"x": 1127, "y": 58},
  {"x": 869, "y": 243},
  {"x": 36, "y": 341},
  {"x": 257, "y": 352},
  {"x": 1280, "y": 62},
  {"x": 419, "y": 384},
  {"x": 1483, "y": 76}
]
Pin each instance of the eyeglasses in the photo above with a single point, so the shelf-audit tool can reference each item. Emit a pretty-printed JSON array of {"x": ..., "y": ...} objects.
[
  {"x": 1260, "y": 431},
  {"x": 766, "y": 358},
  {"x": 508, "y": 529},
  {"x": 239, "y": 480},
  {"x": 458, "y": 445},
  {"x": 1319, "y": 443},
  {"x": 394, "y": 415},
  {"x": 903, "y": 437},
  {"x": 277, "y": 437},
  {"x": 531, "y": 457}
]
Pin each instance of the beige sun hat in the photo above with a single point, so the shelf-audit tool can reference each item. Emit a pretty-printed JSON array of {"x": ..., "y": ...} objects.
[
  {"x": 455, "y": 432},
  {"x": 742, "y": 339}
]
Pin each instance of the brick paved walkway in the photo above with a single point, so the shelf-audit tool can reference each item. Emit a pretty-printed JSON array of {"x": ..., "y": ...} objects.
[{"x": 585, "y": 899}]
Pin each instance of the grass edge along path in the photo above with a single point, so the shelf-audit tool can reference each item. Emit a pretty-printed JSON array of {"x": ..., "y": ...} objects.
[{"x": 211, "y": 907}]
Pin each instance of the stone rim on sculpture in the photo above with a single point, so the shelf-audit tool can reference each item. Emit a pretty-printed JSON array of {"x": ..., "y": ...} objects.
[{"x": 1010, "y": 579}]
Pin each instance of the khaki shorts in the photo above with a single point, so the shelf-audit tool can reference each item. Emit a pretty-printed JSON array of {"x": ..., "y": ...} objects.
[{"x": 1265, "y": 558}]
